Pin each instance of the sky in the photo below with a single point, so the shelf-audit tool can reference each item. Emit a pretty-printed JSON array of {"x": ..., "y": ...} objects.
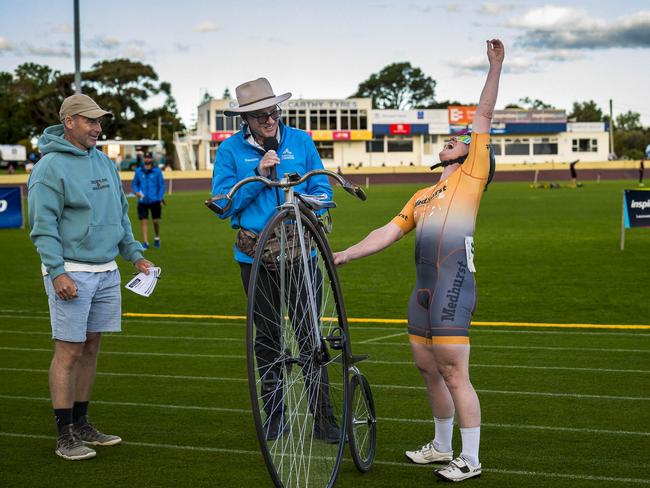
[{"x": 558, "y": 52}]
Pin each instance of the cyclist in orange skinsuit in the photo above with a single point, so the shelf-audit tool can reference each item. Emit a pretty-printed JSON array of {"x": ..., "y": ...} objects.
[{"x": 443, "y": 302}]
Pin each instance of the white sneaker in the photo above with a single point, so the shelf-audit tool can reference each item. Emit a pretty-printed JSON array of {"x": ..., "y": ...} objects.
[
  {"x": 428, "y": 454},
  {"x": 458, "y": 470}
]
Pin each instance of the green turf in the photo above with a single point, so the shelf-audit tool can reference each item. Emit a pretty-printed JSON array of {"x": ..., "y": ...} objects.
[{"x": 561, "y": 407}]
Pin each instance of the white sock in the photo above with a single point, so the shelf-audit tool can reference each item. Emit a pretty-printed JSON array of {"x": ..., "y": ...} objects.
[
  {"x": 444, "y": 431},
  {"x": 471, "y": 439}
]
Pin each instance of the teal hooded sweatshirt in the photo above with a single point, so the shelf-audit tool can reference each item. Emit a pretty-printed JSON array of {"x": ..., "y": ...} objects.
[{"x": 77, "y": 208}]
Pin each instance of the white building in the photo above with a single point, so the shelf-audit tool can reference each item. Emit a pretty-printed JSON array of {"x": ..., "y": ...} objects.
[{"x": 349, "y": 133}]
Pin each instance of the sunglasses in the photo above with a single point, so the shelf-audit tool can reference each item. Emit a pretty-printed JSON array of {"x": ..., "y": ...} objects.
[
  {"x": 263, "y": 117},
  {"x": 464, "y": 138}
]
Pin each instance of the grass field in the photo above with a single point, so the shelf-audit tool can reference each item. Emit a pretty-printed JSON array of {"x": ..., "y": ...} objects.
[{"x": 562, "y": 407}]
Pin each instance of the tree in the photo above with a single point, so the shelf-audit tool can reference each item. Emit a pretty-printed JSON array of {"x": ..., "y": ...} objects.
[
  {"x": 628, "y": 121},
  {"x": 31, "y": 97},
  {"x": 586, "y": 112},
  {"x": 528, "y": 103},
  {"x": 398, "y": 86},
  {"x": 226, "y": 94}
]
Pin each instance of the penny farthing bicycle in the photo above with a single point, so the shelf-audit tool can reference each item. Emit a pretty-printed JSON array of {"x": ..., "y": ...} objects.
[{"x": 308, "y": 396}]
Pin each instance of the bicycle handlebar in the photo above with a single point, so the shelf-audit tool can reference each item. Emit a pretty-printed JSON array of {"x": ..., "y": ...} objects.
[{"x": 289, "y": 180}]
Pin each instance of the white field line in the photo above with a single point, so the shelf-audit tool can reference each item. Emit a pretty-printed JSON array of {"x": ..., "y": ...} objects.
[
  {"x": 382, "y": 419},
  {"x": 534, "y": 474},
  {"x": 367, "y": 361},
  {"x": 241, "y": 324},
  {"x": 374, "y": 341},
  {"x": 374, "y": 385},
  {"x": 136, "y": 336}
]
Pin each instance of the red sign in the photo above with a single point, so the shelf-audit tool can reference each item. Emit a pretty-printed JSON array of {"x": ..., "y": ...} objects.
[
  {"x": 400, "y": 129},
  {"x": 341, "y": 135},
  {"x": 461, "y": 114},
  {"x": 221, "y": 135}
]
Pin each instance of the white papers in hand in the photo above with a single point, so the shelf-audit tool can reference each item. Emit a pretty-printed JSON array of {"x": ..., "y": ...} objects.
[{"x": 143, "y": 284}]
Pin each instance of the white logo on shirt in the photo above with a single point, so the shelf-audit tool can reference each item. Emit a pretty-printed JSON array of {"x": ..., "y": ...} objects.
[{"x": 286, "y": 154}]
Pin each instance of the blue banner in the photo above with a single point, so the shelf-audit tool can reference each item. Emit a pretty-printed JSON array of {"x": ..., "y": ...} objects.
[
  {"x": 636, "y": 204},
  {"x": 11, "y": 207}
]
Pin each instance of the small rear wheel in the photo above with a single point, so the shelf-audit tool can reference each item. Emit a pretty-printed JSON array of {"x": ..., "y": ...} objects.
[{"x": 362, "y": 423}]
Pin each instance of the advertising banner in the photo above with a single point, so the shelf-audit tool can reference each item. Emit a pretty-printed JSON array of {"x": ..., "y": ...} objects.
[
  {"x": 636, "y": 211},
  {"x": 636, "y": 204},
  {"x": 461, "y": 114},
  {"x": 11, "y": 207},
  {"x": 221, "y": 135}
]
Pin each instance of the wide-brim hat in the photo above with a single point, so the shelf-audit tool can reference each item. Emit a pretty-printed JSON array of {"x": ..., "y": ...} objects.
[
  {"x": 80, "y": 104},
  {"x": 255, "y": 95}
]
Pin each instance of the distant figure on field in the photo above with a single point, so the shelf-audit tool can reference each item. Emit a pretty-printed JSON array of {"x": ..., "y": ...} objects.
[
  {"x": 149, "y": 187},
  {"x": 641, "y": 170},
  {"x": 574, "y": 174}
]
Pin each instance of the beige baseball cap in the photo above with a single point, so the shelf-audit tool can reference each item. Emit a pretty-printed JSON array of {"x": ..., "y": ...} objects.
[{"x": 79, "y": 104}]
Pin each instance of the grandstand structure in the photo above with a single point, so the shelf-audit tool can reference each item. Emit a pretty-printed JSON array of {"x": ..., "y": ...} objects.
[{"x": 352, "y": 136}]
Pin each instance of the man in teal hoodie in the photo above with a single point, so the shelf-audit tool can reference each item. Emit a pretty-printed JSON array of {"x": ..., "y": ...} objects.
[{"x": 79, "y": 224}]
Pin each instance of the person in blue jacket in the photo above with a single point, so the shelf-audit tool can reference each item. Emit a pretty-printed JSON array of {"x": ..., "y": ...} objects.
[
  {"x": 241, "y": 156},
  {"x": 79, "y": 221},
  {"x": 149, "y": 187}
]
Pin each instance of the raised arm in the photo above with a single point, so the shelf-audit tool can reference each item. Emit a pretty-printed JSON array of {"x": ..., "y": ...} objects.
[
  {"x": 483, "y": 115},
  {"x": 374, "y": 242}
]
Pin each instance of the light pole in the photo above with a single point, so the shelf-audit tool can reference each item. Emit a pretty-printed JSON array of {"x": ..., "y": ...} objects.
[{"x": 77, "y": 50}]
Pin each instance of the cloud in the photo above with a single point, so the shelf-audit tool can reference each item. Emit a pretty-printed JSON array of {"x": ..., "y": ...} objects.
[
  {"x": 559, "y": 55},
  {"x": 495, "y": 8},
  {"x": 422, "y": 9},
  {"x": 205, "y": 26},
  {"x": 62, "y": 29},
  {"x": 104, "y": 43},
  {"x": 571, "y": 28},
  {"x": 479, "y": 64},
  {"x": 48, "y": 51},
  {"x": 5, "y": 45},
  {"x": 183, "y": 48},
  {"x": 452, "y": 7}
]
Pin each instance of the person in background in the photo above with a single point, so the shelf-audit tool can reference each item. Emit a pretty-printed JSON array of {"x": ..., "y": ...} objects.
[{"x": 149, "y": 187}]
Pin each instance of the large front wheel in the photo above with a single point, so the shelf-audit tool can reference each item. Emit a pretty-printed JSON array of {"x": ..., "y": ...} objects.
[{"x": 297, "y": 353}]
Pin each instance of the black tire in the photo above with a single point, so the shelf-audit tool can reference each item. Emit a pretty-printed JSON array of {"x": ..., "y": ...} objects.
[
  {"x": 297, "y": 378},
  {"x": 362, "y": 423}
]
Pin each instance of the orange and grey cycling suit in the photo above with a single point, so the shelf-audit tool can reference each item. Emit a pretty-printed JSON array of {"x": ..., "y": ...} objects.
[{"x": 444, "y": 216}]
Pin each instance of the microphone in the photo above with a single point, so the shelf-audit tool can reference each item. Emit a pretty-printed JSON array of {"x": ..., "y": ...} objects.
[{"x": 271, "y": 144}]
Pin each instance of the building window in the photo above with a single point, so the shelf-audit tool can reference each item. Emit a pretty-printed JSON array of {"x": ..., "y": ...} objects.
[
  {"x": 584, "y": 145},
  {"x": 353, "y": 119},
  {"x": 295, "y": 118},
  {"x": 226, "y": 123},
  {"x": 496, "y": 146},
  {"x": 207, "y": 119},
  {"x": 399, "y": 144},
  {"x": 213, "y": 151},
  {"x": 545, "y": 145},
  {"x": 375, "y": 146},
  {"x": 517, "y": 147},
  {"x": 220, "y": 120},
  {"x": 325, "y": 149}
]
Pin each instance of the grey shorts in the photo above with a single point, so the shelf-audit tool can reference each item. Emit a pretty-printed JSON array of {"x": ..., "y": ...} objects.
[
  {"x": 442, "y": 303},
  {"x": 97, "y": 308}
]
